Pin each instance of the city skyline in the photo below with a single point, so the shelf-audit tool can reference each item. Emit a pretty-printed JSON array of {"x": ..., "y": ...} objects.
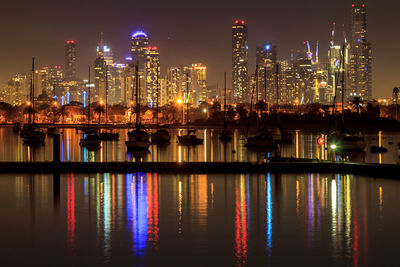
[{"x": 384, "y": 78}]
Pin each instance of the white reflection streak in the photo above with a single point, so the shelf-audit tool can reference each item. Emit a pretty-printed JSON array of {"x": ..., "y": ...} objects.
[
  {"x": 180, "y": 200},
  {"x": 348, "y": 213},
  {"x": 334, "y": 211}
]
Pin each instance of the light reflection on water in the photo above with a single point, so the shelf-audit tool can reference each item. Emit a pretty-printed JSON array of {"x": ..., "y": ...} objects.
[
  {"x": 159, "y": 219},
  {"x": 304, "y": 146}
]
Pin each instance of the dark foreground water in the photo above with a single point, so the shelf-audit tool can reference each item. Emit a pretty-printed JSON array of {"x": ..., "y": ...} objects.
[{"x": 199, "y": 220}]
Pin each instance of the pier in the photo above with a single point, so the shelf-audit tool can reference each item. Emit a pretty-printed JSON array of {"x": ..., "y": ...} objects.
[{"x": 284, "y": 167}]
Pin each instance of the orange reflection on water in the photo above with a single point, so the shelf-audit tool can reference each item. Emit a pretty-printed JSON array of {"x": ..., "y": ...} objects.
[{"x": 240, "y": 224}]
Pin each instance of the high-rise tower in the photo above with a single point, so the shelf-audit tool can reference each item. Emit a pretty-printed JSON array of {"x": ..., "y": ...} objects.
[
  {"x": 70, "y": 60},
  {"x": 139, "y": 44},
  {"x": 152, "y": 74},
  {"x": 360, "y": 73},
  {"x": 266, "y": 59},
  {"x": 240, "y": 65}
]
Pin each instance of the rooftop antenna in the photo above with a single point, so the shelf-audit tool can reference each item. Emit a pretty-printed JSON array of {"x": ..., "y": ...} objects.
[
  {"x": 333, "y": 35},
  {"x": 344, "y": 34},
  {"x": 309, "y": 53}
]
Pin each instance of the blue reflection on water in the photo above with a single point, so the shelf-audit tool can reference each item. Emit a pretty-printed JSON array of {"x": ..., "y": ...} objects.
[
  {"x": 62, "y": 149},
  {"x": 136, "y": 205},
  {"x": 269, "y": 214}
]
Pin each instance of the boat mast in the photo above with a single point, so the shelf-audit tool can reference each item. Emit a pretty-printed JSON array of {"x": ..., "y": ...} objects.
[
  {"x": 265, "y": 85},
  {"x": 342, "y": 80},
  {"x": 256, "y": 80},
  {"x": 277, "y": 93},
  {"x": 187, "y": 101},
  {"x": 88, "y": 106},
  {"x": 158, "y": 92},
  {"x": 106, "y": 93},
  {"x": 137, "y": 95},
  {"x": 31, "y": 94},
  {"x": 225, "y": 124}
]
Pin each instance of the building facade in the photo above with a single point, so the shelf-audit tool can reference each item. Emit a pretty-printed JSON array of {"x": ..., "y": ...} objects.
[
  {"x": 240, "y": 65},
  {"x": 360, "y": 72}
]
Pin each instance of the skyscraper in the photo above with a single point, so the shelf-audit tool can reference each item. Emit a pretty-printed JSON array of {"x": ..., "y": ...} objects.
[
  {"x": 174, "y": 84},
  {"x": 152, "y": 73},
  {"x": 139, "y": 44},
  {"x": 266, "y": 59},
  {"x": 70, "y": 60},
  {"x": 360, "y": 73},
  {"x": 240, "y": 79},
  {"x": 102, "y": 71}
]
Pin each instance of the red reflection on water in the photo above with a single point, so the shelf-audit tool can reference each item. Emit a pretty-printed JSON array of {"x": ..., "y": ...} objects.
[
  {"x": 153, "y": 209},
  {"x": 71, "y": 209},
  {"x": 240, "y": 229}
]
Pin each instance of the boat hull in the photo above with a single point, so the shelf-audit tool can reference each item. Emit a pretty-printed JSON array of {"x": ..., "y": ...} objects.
[{"x": 189, "y": 140}]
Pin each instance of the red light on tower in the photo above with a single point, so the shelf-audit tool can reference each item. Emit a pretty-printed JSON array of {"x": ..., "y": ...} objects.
[
  {"x": 321, "y": 141},
  {"x": 243, "y": 21},
  {"x": 353, "y": 5},
  {"x": 236, "y": 21}
]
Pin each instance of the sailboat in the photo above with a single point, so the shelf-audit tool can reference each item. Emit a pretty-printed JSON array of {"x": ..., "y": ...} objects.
[
  {"x": 342, "y": 139},
  {"x": 30, "y": 133},
  {"x": 108, "y": 135},
  {"x": 138, "y": 138},
  {"x": 162, "y": 134},
  {"x": 226, "y": 134},
  {"x": 190, "y": 138},
  {"x": 91, "y": 139},
  {"x": 264, "y": 140}
]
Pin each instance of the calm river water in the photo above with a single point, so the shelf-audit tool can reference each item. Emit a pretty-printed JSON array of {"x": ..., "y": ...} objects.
[{"x": 199, "y": 220}]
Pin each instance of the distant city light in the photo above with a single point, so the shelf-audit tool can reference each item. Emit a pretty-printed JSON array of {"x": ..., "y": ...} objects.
[
  {"x": 139, "y": 34},
  {"x": 268, "y": 47},
  {"x": 128, "y": 59}
]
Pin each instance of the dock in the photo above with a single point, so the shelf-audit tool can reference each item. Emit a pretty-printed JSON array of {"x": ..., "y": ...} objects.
[{"x": 284, "y": 167}]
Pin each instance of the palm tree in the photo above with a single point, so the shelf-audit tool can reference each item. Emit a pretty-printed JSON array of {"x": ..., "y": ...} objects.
[
  {"x": 396, "y": 95},
  {"x": 356, "y": 103}
]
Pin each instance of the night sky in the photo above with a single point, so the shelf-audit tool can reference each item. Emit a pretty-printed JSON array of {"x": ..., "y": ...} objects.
[{"x": 188, "y": 31}]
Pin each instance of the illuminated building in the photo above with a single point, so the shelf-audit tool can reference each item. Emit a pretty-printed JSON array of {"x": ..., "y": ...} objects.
[
  {"x": 240, "y": 79},
  {"x": 174, "y": 88},
  {"x": 334, "y": 59},
  {"x": 360, "y": 73},
  {"x": 102, "y": 65},
  {"x": 304, "y": 75},
  {"x": 16, "y": 91},
  {"x": 47, "y": 79},
  {"x": 70, "y": 60},
  {"x": 139, "y": 45},
  {"x": 194, "y": 77},
  {"x": 164, "y": 100},
  {"x": 117, "y": 93},
  {"x": 199, "y": 84},
  {"x": 266, "y": 59},
  {"x": 152, "y": 72}
]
